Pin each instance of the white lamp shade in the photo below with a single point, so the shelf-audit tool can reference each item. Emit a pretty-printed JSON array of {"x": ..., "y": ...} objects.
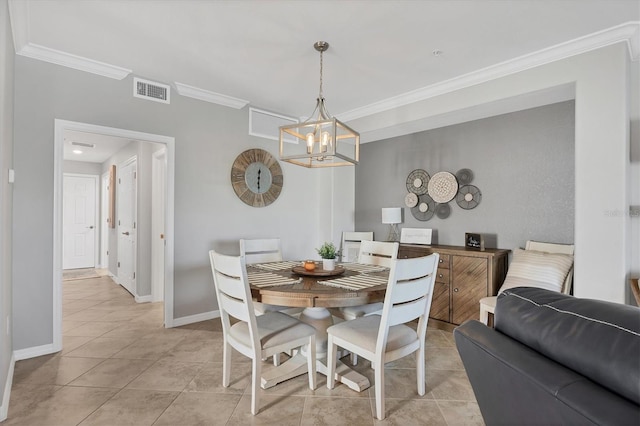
[{"x": 391, "y": 215}]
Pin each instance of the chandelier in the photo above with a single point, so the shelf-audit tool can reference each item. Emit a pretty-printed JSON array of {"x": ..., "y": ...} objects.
[{"x": 321, "y": 140}]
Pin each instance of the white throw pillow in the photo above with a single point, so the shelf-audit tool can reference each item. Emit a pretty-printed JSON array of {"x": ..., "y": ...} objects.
[{"x": 530, "y": 268}]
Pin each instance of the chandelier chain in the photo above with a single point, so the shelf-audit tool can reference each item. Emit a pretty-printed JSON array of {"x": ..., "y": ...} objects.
[{"x": 321, "y": 56}]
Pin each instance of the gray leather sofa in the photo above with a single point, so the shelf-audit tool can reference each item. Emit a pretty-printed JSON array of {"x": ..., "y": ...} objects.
[{"x": 554, "y": 359}]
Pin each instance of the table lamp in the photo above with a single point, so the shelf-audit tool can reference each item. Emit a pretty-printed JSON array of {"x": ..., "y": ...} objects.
[{"x": 392, "y": 216}]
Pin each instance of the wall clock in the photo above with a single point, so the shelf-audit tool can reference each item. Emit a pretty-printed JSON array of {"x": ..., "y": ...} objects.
[{"x": 256, "y": 177}]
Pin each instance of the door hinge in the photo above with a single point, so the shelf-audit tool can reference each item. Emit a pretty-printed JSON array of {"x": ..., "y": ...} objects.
[
  {"x": 134, "y": 275},
  {"x": 134, "y": 225},
  {"x": 118, "y": 264},
  {"x": 135, "y": 175}
]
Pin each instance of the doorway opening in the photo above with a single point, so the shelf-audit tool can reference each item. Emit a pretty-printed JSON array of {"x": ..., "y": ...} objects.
[{"x": 62, "y": 126}]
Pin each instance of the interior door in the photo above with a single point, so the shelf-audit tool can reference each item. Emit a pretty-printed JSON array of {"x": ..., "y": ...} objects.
[
  {"x": 126, "y": 216},
  {"x": 79, "y": 222}
]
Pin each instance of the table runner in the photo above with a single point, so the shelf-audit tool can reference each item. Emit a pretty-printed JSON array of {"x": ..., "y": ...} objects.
[
  {"x": 268, "y": 279},
  {"x": 357, "y": 282}
]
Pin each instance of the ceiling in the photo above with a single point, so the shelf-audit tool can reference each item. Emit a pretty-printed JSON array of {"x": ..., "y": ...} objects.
[{"x": 262, "y": 51}]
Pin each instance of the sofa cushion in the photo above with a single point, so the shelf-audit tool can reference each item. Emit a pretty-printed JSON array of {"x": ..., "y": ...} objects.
[
  {"x": 598, "y": 339},
  {"x": 530, "y": 268}
]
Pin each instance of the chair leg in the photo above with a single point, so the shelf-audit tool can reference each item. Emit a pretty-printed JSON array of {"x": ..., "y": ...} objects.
[
  {"x": 331, "y": 363},
  {"x": 226, "y": 364},
  {"x": 354, "y": 359},
  {"x": 311, "y": 362},
  {"x": 420, "y": 370},
  {"x": 379, "y": 387},
  {"x": 276, "y": 359},
  {"x": 484, "y": 315},
  {"x": 255, "y": 384}
]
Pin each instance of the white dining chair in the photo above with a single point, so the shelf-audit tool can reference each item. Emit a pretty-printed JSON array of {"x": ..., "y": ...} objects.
[
  {"x": 350, "y": 246},
  {"x": 564, "y": 268},
  {"x": 385, "y": 338},
  {"x": 256, "y": 337},
  {"x": 265, "y": 250},
  {"x": 371, "y": 253}
]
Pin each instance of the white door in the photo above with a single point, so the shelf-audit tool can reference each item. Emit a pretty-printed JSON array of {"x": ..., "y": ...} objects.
[
  {"x": 158, "y": 202},
  {"x": 126, "y": 217},
  {"x": 79, "y": 222}
]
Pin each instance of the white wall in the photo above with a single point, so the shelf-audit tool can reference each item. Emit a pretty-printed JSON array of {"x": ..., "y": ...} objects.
[
  {"x": 208, "y": 214},
  {"x": 602, "y": 233},
  {"x": 6, "y": 205}
]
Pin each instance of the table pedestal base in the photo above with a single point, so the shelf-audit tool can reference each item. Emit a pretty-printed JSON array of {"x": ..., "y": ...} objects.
[{"x": 320, "y": 319}]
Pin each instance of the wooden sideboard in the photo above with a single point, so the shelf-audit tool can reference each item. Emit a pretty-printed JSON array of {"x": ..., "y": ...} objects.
[{"x": 464, "y": 276}]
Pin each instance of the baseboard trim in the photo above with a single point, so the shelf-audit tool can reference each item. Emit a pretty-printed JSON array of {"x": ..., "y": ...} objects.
[
  {"x": 34, "y": 352},
  {"x": 4, "y": 408},
  {"x": 177, "y": 322},
  {"x": 144, "y": 299}
]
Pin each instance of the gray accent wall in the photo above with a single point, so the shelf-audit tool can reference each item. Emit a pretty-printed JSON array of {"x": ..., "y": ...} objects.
[
  {"x": 523, "y": 163},
  {"x": 6, "y": 204}
]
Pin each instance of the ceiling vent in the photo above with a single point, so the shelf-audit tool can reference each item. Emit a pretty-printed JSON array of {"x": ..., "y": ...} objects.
[
  {"x": 85, "y": 145},
  {"x": 150, "y": 90}
]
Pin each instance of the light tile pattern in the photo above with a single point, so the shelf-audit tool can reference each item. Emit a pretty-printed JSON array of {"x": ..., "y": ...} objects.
[{"x": 120, "y": 366}]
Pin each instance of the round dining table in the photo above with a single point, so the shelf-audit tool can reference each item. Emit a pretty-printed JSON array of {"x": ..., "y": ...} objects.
[{"x": 309, "y": 292}]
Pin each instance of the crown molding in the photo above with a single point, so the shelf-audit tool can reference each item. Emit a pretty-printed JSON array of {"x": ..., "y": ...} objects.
[
  {"x": 207, "y": 96},
  {"x": 19, "y": 17},
  {"x": 628, "y": 33},
  {"x": 65, "y": 59}
]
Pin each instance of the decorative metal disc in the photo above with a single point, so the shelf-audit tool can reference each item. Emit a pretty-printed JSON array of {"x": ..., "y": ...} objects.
[
  {"x": 418, "y": 181},
  {"x": 442, "y": 187},
  {"x": 443, "y": 210},
  {"x": 468, "y": 197},
  {"x": 464, "y": 176},
  {"x": 424, "y": 209},
  {"x": 410, "y": 200}
]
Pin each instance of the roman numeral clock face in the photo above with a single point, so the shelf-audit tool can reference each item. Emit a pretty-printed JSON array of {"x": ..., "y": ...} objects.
[{"x": 256, "y": 177}]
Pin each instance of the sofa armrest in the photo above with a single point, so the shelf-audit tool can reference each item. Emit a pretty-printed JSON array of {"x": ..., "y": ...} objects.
[{"x": 514, "y": 384}]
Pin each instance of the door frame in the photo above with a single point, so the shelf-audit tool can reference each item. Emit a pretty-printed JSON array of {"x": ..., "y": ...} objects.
[
  {"x": 60, "y": 126},
  {"x": 104, "y": 226},
  {"x": 158, "y": 194},
  {"x": 96, "y": 219}
]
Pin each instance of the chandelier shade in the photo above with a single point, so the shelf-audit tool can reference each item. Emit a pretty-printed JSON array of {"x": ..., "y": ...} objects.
[{"x": 322, "y": 140}]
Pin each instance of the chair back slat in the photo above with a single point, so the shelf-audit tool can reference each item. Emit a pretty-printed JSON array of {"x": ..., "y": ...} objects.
[
  {"x": 234, "y": 307},
  {"x": 232, "y": 286},
  {"x": 406, "y": 291},
  {"x": 378, "y": 253},
  {"x": 405, "y": 312},
  {"x": 261, "y": 250}
]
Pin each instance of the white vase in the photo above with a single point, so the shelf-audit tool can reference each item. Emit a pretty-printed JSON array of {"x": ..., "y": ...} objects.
[{"x": 328, "y": 264}]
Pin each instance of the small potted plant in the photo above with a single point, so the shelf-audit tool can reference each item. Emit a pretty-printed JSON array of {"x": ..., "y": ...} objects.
[{"x": 327, "y": 252}]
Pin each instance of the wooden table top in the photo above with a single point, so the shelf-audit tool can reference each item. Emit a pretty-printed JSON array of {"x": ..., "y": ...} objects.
[{"x": 308, "y": 293}]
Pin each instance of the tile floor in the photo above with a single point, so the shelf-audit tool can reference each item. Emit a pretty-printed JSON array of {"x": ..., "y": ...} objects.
[{"x": 119, "y": 366}]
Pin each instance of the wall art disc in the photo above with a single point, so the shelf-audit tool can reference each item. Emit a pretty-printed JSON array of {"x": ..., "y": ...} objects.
[
  {"x": 411, "y": 200},
  {"x": 418, "y": 181},
  {"x": 468, "y": 197},
  {"x": 442, "y": 187},
  {"x": 424, "y": 209},
  {"x": 465, "y": 176},
  {"x": 443, "y": 210}
]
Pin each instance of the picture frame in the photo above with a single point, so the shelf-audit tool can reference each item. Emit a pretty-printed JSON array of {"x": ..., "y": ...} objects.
[{"x": 474, "y": 241}]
